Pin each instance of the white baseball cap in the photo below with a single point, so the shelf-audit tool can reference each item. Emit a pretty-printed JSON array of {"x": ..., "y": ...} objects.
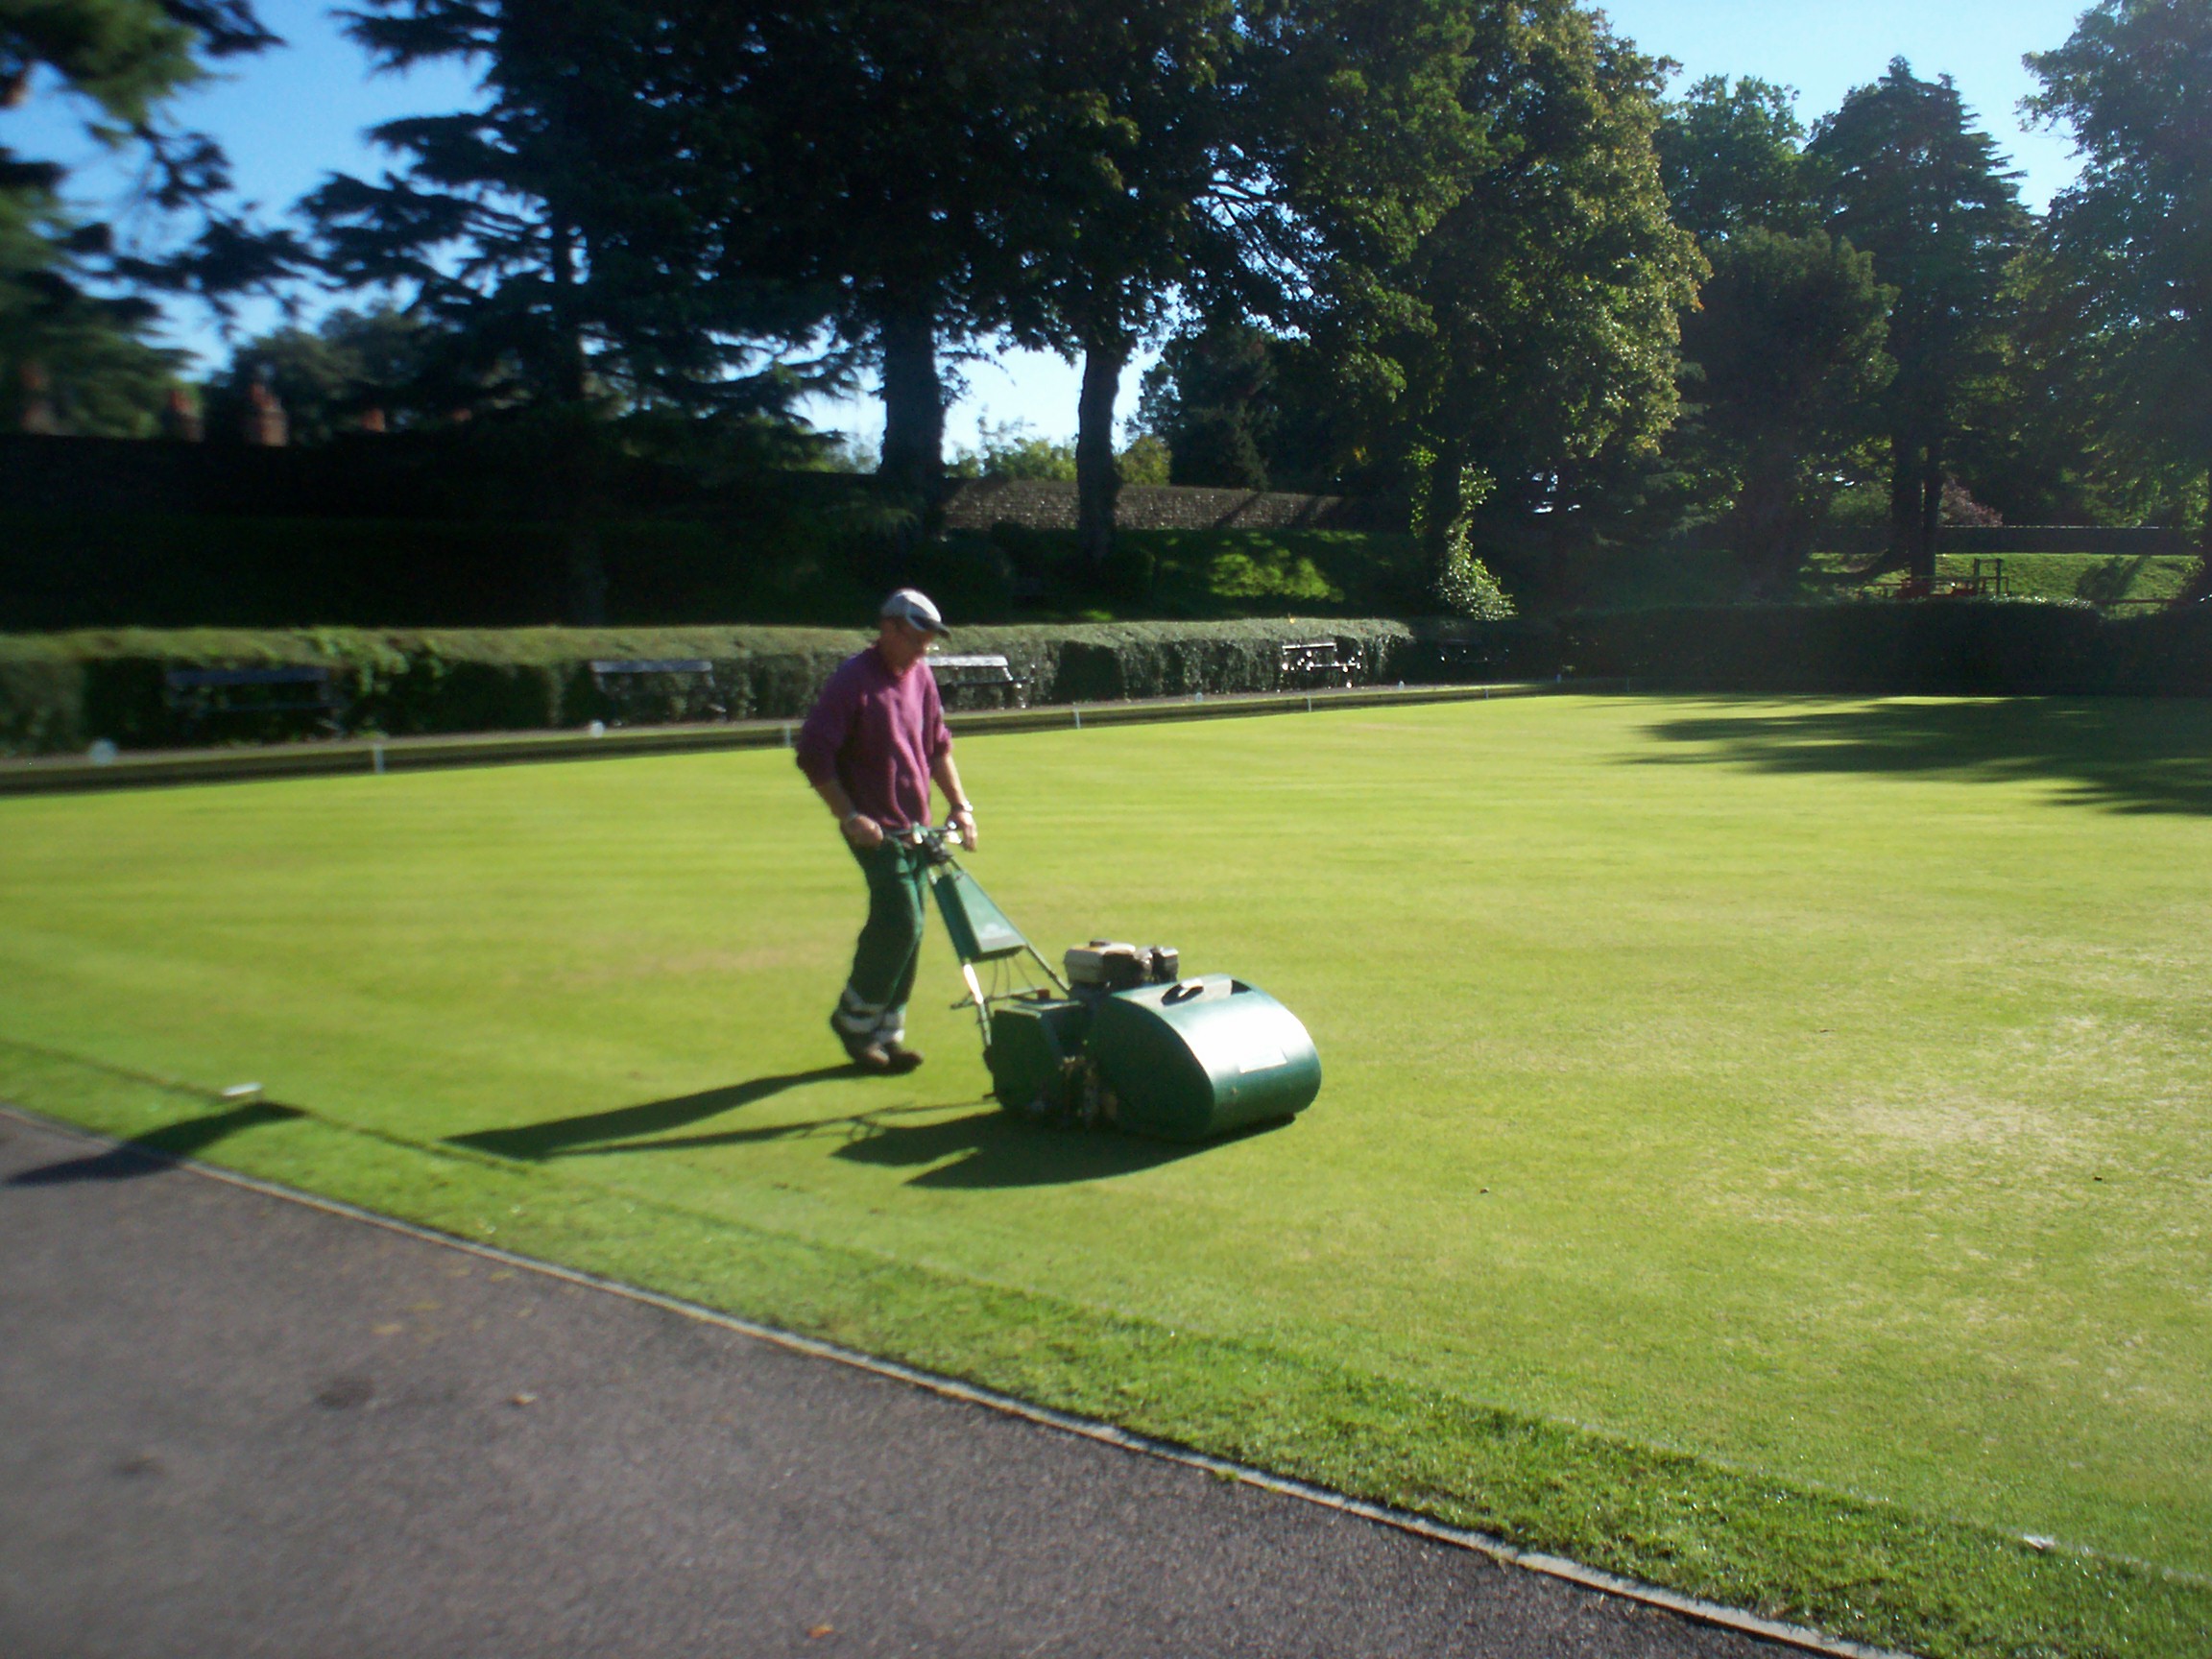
[{"x": 912, "y": 604}]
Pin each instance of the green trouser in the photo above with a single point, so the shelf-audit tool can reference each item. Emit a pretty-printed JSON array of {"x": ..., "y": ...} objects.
[{"x": 873, "y": 1006}]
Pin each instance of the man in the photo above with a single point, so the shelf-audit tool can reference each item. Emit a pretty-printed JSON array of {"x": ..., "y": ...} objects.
[{"x": 870, "y": 747}]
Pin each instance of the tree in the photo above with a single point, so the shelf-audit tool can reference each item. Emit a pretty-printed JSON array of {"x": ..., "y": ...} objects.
[
  {"x": 1008, "y": 450},
  {"x": 533, "y": 232},
  {"x": 2038, "y": 444},
  {"x": 1241, "y": 408},
  {"x": 1787, "y": 344},
  {"x": 1731, "y": 158},
  {"x": 1209, "y": 400},
  {"x": 543, "y": 239},
  {"x": 1539, "y": 335},
  {"x": 860, "y": 161},
  {"x": 1124, "y": 116},
  {"x": 70, "y": 360},
  {"x": 1908, "y": 180},
  {"x": 61, "y": 330},
  {"x": 351, "y": 367},
  {"x": 2132, "y": 237},
  {"x": 1784, "y": 347}
]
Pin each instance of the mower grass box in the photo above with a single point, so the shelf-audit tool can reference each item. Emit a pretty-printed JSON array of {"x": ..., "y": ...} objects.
[{"x": 1201, "y": 1057}]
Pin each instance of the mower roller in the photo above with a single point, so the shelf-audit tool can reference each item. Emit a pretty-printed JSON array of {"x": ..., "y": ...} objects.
[{"x": 1117, "y": 1037}]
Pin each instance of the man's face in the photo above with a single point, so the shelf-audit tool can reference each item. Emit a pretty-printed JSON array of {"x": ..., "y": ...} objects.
[{"x": 903, "y": 644}]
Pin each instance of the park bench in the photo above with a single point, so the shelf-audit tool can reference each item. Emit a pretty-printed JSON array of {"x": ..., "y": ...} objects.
[
  {"x": 199, "y": 695},
  {"x": 1316, "y": 663},
  {"x": 1982, "y": 585},
  {"x": 677, "y": 685},
  {"x": 982, "y": 676},
  {"x": 1459, "y": 658}
]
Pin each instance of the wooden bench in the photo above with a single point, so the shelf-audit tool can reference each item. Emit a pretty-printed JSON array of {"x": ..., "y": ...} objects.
[
  {"x": 1316, "y": 663},
  {"x": 683, "y": 685},
  {"x": 982, "y": 675},
  {"x": 202, "y": 695}
]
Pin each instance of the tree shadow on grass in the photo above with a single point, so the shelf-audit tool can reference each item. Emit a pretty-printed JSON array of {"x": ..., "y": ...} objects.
[
  {"x": 988, "y": 1149},
  {"x": 560, "y": 1137},
  {"x": 161, "y": 1149},
  {"x": 2122, "y": 754}
]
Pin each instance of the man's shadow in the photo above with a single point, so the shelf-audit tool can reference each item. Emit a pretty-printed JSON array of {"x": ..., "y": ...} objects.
[
  {"x": 534, "y": 1143},
  {"x": 980, "y": 1150},
  {"x": 161, "y": 1149}
]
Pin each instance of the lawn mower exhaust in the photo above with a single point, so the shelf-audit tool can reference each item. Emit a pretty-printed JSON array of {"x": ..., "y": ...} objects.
[{"x": 1120, "y": 1040}]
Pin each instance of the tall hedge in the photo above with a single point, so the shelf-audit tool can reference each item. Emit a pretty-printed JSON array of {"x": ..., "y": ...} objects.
[
  {"x": 60, "y": 692},
  {"x": 1943, "y": 647}
]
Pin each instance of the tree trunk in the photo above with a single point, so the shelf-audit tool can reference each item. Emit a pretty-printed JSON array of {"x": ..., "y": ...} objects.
[
  {"x": 2198, "y": 588},
  {"x": 586, "y": 565},
  {"x": 586, "y": 569},
  {"x": 1930, "y": 510},
  {"x": 913, "y": 405},
  {"x": 1904, "y": 504},
  {"x": 570, "y": 368},
  {"x": 1097, "y": 482},
  {"x": 1766, "y": 524}
]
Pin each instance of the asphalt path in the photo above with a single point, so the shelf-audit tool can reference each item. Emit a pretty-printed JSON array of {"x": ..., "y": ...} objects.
[{"x": 234, "y": 1425}]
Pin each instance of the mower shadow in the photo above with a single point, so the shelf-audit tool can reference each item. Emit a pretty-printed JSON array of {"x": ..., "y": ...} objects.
[
  {"x": 995, "y": 1150},
  {"x": 161, "y": 1149},
  {"x": 557, "y": 1137}
]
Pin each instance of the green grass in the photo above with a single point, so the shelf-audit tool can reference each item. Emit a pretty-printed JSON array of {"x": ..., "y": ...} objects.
[
  {"x": 2112, "y": 581},
  {"x": 1765, "y": 1147},
  {"x": 2101, "y": 579}
]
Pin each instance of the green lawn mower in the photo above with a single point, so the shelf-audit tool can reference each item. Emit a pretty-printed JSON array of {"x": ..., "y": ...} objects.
[{"x": 1117, "y": 1037}]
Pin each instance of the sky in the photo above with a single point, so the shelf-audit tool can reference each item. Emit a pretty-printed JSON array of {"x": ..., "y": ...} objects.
[{"x": 295, "y": 114}]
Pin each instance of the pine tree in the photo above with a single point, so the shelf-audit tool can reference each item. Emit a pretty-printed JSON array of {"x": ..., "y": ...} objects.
[{"x": 1909, "y": 181}]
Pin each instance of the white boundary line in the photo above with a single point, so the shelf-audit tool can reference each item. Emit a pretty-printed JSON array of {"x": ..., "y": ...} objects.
[{"x": 1713, "y": 1613}]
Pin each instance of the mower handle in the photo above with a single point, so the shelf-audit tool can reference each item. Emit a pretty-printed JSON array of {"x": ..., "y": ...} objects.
[{"x": 932, "y": 838}]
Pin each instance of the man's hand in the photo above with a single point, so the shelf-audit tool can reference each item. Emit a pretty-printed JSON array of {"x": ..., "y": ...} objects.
[
  {"x": 964, "y": 821},
  {"x": 863, "y": 833}
]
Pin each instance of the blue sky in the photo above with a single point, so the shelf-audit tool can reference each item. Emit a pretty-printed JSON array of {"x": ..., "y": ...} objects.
[{"x": 295, "y": 114}]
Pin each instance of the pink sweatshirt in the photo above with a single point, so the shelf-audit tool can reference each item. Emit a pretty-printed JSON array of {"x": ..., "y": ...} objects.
[{"x": 878, "y": 736}]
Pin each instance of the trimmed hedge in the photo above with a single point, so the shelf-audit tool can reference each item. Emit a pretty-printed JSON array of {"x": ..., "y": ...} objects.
[{"x": 60, "y": 692}]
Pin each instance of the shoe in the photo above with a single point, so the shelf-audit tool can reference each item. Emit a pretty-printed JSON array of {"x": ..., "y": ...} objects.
[
  {"x": 866, "y": 1053},
  {"x": 901, "y": 1057}
]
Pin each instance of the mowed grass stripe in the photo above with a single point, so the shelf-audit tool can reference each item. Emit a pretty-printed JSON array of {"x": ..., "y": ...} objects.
[{"x": 1840, "y": 1105}]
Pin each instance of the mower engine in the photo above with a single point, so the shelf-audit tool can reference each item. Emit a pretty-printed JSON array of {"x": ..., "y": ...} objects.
[{"x": 1123, "y": 1039}]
